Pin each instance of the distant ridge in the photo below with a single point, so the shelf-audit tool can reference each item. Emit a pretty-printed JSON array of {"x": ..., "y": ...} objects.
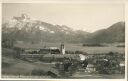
[
  {"x": 115, "y": 33},
  {"x": 24, "y": 29}
]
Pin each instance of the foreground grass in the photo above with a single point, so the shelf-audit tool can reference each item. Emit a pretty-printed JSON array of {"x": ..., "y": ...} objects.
[{"x": 14, "y": 66}]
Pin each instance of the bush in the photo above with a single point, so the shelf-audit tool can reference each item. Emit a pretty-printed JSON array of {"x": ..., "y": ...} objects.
[
  {"x": 108, "y": 65},
  {"x": 67, "y": 68},
  {"x": 95, "y": 44},
  {"x": 53, "y": 75},
  {"x": 79, "y": 52},
  {"x": 69, "y": 52}
]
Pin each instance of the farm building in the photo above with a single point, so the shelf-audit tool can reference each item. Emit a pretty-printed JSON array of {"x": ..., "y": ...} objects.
[
  {"x": 59, "y": 56},
  {"x": 48, "y": 52},
  {"x": 41, "y": 49},
  {"x": 90, "y": 68}
]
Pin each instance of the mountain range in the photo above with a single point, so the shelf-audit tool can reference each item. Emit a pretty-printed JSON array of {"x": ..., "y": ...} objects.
[
  {"x": 24, "y": 29},
  {"x": 115, "y": 33}
]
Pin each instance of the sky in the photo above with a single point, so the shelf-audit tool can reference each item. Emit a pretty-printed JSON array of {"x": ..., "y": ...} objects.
[{"x": 79, "y": 16}]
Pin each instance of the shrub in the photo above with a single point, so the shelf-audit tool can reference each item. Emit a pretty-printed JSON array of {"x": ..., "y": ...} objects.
[
  {"x": 108, "y": 65},
  {"x": 78, "y": 52},
  {"x": 67, "y": 68},
  {"x": 53, "y": 75}
]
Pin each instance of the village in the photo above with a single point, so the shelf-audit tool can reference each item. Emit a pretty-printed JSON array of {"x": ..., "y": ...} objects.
[{"x": 66, "y": 64}]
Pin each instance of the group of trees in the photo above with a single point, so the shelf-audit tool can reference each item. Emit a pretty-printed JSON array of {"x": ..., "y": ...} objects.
[{"x": 109, "y": 64}]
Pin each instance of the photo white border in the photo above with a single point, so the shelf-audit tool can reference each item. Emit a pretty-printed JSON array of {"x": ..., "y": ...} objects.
[
  {"x": 0, "y": 38},
  {"x": 125, "y": 2}
]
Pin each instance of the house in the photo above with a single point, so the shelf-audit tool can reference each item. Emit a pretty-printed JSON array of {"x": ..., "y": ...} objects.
[{"x": 90, "y": 68}]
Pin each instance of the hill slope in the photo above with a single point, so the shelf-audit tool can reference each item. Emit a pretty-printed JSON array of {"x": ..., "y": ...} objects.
[{"x": 115, "y": 33}]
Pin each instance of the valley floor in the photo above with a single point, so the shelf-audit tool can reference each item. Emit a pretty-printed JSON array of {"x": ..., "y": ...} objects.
[
  {"x": 17, "y": 67},
  {"x": 22, "y": 69}
]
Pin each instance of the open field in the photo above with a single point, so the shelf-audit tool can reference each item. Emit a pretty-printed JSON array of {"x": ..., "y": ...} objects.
[
  {"x": 97, "y": 76},
  {"x": 18, "y": 67},
  {"x": 76, "y": 47}
]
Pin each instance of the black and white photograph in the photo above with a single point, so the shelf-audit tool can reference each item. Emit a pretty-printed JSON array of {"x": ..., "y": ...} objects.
[{"x": 63, "y": 40}]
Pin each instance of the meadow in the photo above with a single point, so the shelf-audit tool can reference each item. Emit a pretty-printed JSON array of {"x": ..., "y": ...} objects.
[{"x": 76, "y": 47}]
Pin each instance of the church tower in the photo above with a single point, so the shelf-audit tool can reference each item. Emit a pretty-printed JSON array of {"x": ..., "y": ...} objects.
[{"x": 62, "y": 48}]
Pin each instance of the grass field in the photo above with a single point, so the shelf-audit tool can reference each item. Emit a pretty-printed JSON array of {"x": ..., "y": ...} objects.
[
  {"x": 76, "y": 47},
  {"x": 20, "y": 67},
  {"x": 84, "y": 75}
]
